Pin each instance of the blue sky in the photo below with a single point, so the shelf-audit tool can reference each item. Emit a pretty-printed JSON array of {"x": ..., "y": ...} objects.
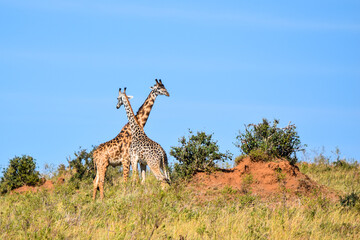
[{"x": 224, "y": 63}]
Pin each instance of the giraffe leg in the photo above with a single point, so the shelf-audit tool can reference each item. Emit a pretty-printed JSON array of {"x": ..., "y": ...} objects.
[
  {"x": 155, "y": 169},
  {"x": 96, "y": 184},
  {"x": 134, "y": 165},
  {"x": 160, "y": 177},
  {"x": 102, "y": 179},
  {"x": 143, "y": 172},
  {"x": 126, "y": 168}
]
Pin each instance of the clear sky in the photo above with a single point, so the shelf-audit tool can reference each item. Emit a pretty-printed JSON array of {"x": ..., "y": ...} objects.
[{"x": 224, "y": 63}]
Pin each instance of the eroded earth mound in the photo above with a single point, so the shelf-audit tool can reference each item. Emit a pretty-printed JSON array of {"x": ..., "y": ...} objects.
[
  {"x": 264, "y": 179},
  {"x": 46, "y": 185}
]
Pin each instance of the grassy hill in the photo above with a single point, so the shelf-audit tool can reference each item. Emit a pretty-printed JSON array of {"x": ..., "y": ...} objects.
[{"x": 147, "y": 212}]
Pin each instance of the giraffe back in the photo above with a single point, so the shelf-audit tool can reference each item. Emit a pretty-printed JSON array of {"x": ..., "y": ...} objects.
[{"x": 115, "y": 150}]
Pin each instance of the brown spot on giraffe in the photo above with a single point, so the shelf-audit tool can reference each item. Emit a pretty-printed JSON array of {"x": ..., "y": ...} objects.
[{"x": 116, "y": 151}]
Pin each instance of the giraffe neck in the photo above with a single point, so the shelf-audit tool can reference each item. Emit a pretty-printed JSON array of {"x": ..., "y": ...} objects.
[
  {"x": 143, "y": 113},
  {"x": 134, "y": 124}
]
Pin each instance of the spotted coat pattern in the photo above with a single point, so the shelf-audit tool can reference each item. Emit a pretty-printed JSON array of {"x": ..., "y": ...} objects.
[
  {"x": 143, "y": 149},
  {"x": 116, "y": 151}
]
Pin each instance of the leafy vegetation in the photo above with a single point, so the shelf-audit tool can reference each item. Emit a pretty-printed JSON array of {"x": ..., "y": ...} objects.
[
  {"x": 21, "y": 171},
  {"x": 239, "y": 158},
  {"x": 61, "y": 170},
  {"x": 342, "y": 162},
  {"x": 350, "y": 200},
  {"x": 148, "y": 212},
  {"x": 266, "y": 140},
  {"x": 341, "y": 175},
  {"x": 82, "y": 166},
  {"x": 197, "y": 153},
  {"x": 258, "y": 155},
  {"x": 248, "y": 179}
]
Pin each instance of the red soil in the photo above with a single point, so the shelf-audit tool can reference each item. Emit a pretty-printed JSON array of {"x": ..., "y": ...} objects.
[
  {"x": 47, "y": 185},
  {"x": 264, "y": 179},
  {"x": 269, "y": 180}
]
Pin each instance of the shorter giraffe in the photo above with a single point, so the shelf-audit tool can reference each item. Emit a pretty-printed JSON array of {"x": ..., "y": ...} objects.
[
  {"x": 116, "y": 151},
  {"x": 143, "y": 149}
]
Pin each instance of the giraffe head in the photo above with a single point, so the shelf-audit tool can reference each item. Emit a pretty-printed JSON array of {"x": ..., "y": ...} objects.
[
  {"x": 159, "y": 88},
  {"x": 122, "y": 97}
]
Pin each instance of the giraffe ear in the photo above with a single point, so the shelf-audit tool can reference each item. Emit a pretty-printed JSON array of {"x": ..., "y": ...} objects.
[
  {"x": 130, "y": 97},
  {"x": 152, "y": 88}
]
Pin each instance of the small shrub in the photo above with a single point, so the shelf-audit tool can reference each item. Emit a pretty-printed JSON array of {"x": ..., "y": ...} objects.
[
  {"x": 280, "y": 176},
  {"x": 258, "y": 155},
  {"x": 82, "y": 166},
  {"x": 197, "y": 153},
  {"x": 21, "y": 171},
  {"x": 271, "y": 140},
  {"x": 342, "y": 162},
  {"x": 239, "y": 159},
  {"x": 61, "y": 170},
  {"x": 229, "y": 190},
  {"x": 349, "y": 200},
  {"x": 247, "y": 200},
  {"x": 345, "y": 165},
  {"x": 321, "y": 158},
  {"x": 247, "y": 180}
]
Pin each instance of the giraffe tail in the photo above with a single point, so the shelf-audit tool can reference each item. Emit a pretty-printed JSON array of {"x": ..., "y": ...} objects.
[{"x": 166, "y": 169}]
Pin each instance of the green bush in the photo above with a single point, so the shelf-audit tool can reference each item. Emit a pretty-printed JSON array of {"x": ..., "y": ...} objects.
[
  {"x": 61, "y": 170},
  {"x": 272, "y": 141},
  {"x": 342, "y": 162},
  {"x": 20, "y": 172},
  {"x": 349, "y": 200},
  {"x": 82, "y": 165},
  {"x": 258, "y": 155},
  {"x": 248, "y": 179},
  {"x": 345, "y": 164},
  {"x": 197, "y": 153},
  {"x": 321, "y": 159},
  {"x": 239, "y": 159}
]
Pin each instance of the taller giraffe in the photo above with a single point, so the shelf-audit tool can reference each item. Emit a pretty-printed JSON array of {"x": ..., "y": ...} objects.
[
  {"x": 116, "y": 151},
  {"x": 142, "y": 148}
]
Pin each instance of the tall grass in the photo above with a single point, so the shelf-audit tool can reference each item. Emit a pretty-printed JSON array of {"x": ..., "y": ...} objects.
[
  {"x": 341, "y": 177},
  {"x": 147, "y": 212}
]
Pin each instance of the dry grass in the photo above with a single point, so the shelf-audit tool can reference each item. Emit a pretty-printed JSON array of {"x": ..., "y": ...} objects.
[{"x": 147, "y": 212}]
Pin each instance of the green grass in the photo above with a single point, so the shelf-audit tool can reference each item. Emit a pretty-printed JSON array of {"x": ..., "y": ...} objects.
[
  {"x": 344, "y": 179},
  {"x": 147, "y": 212}
]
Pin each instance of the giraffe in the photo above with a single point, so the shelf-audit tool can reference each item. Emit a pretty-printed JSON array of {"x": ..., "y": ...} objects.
[
  {"x": 142, "y": 148},
  {"x": 116, "y": 151}
]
